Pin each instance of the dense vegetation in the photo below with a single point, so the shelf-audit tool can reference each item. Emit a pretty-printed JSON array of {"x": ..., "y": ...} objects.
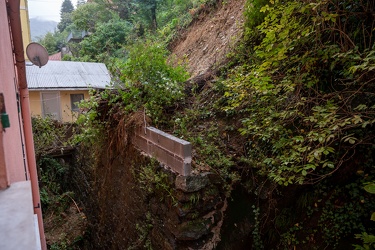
[
  {"x": 305, "y": 88},
  {"x": 301, "y": 85}
]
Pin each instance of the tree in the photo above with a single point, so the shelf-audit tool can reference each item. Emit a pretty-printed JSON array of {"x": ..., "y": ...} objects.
[
  {"x": 87, "y": 16},
  {"x": 122, "y": 7},
  {"x": 65, "y": 15},
  {"x": 52, "y": 42},
  {"x": 108, "y": 38},
  {"x": 149, "y": 8},
  {"x": 66, "y": 20},
  {"x": 66, "y": 7}
]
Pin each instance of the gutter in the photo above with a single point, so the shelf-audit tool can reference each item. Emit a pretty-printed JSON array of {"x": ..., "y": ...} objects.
[
  {"x": 62, "y": 89},
  {"x": 15, "y": 24}
]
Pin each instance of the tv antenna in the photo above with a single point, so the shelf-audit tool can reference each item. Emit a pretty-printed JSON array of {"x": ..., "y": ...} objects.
[{"x": 37, "y": 54}]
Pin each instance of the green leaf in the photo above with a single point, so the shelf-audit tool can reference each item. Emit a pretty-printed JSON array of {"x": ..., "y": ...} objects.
[
  {"x": 351, "y": 141},
  {"x": 361, "y": 107},
  {"x": 373, "y": 216},
  {"x": 370, "y": 188}
]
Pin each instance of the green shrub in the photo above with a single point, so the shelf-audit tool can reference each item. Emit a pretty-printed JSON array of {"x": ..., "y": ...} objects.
[
  {"x": 150, "y": 81},
  {"x": 48, "y": 135}
]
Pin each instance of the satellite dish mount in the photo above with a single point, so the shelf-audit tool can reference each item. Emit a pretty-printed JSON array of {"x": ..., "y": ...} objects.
[{"x": 37, "y": 54}]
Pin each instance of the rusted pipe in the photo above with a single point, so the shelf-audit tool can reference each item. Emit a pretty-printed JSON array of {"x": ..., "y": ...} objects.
[{"x": 15, "y": 24}]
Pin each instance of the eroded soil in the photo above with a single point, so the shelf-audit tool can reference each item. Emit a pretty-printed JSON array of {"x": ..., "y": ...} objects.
[{"x": 210, "y": 37}]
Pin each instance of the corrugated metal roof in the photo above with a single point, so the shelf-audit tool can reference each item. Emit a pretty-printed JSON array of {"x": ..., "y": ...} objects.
[{"x": 66, "y": 74}]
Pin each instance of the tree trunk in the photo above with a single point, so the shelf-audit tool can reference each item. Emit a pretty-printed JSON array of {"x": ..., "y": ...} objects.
[{"x": 153, "y": 16}]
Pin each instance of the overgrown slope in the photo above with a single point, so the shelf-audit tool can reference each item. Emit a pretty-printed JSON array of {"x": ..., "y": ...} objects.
[
  {"x": 301, "y": 98},
  {"x": 286, "y": 123}
]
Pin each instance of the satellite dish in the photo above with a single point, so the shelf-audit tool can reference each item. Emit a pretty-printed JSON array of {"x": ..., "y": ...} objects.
[{"x": 37, "y": 54}]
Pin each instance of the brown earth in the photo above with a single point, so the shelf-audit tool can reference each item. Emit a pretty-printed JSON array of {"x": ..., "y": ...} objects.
[
  {"x": 67, "y": 227},
  {"x": 210, "y": 37}
]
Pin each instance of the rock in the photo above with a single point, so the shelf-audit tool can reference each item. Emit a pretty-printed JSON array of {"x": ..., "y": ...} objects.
[
  {"x": 192, "y": 230},
  {"x": 191, "y": 183},
  {"x": 181, "y": 211}
]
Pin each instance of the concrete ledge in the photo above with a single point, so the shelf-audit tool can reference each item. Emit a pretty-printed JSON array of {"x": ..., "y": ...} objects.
[
  {"x": 173, "y": 152},
  {"x": 17, "y": 223}
]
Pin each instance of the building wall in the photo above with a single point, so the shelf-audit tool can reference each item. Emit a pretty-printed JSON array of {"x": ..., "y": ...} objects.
[
  {"x": 25, "y": 24},
  {"x": 12, "y": 138},
  {"x": 67, "y": 115},
  {"x": 4, "y": 180},
  {"x": 35, "y": 104}
]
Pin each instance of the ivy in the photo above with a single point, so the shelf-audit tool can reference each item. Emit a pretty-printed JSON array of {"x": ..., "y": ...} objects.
[{"x": 307, "y": 94}]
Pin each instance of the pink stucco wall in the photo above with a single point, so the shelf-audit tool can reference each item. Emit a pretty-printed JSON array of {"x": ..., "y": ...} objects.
[
  {"x": 4, "y": 181},
  {"x": 12, "y": 137}
]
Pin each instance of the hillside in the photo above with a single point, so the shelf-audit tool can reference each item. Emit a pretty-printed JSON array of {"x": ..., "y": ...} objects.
[
  {"x": 40, "y": 27},
  {"x": 207, "y": 41}
]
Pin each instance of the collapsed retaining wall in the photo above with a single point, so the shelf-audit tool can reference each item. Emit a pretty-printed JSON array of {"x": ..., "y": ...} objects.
[
  {"x": 169, "y": 150},
  {"x": 133, "y": 202}
]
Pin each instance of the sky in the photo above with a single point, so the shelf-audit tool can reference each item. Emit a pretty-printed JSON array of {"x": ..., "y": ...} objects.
[{"x": 46, "y": 9}]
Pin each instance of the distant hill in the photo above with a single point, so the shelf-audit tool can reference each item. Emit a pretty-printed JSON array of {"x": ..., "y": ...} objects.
[{"x": 40, "y": 27}]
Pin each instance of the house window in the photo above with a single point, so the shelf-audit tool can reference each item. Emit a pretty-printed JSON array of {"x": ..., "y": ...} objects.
[
  {"x": 74, "y": 100},
  {"x": 51, "y": 105}
]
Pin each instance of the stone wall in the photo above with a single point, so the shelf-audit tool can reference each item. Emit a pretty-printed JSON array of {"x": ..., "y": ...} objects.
[
  {"x": 134, "y": 202},
  {"x": 198, "y": 213}
]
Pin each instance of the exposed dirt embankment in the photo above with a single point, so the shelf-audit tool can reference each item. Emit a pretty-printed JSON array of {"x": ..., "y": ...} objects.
[{"x": 210, "y": 37}]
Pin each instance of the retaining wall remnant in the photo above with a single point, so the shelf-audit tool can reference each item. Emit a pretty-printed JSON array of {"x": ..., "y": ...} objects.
[{"x": 169, "y": 150}]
